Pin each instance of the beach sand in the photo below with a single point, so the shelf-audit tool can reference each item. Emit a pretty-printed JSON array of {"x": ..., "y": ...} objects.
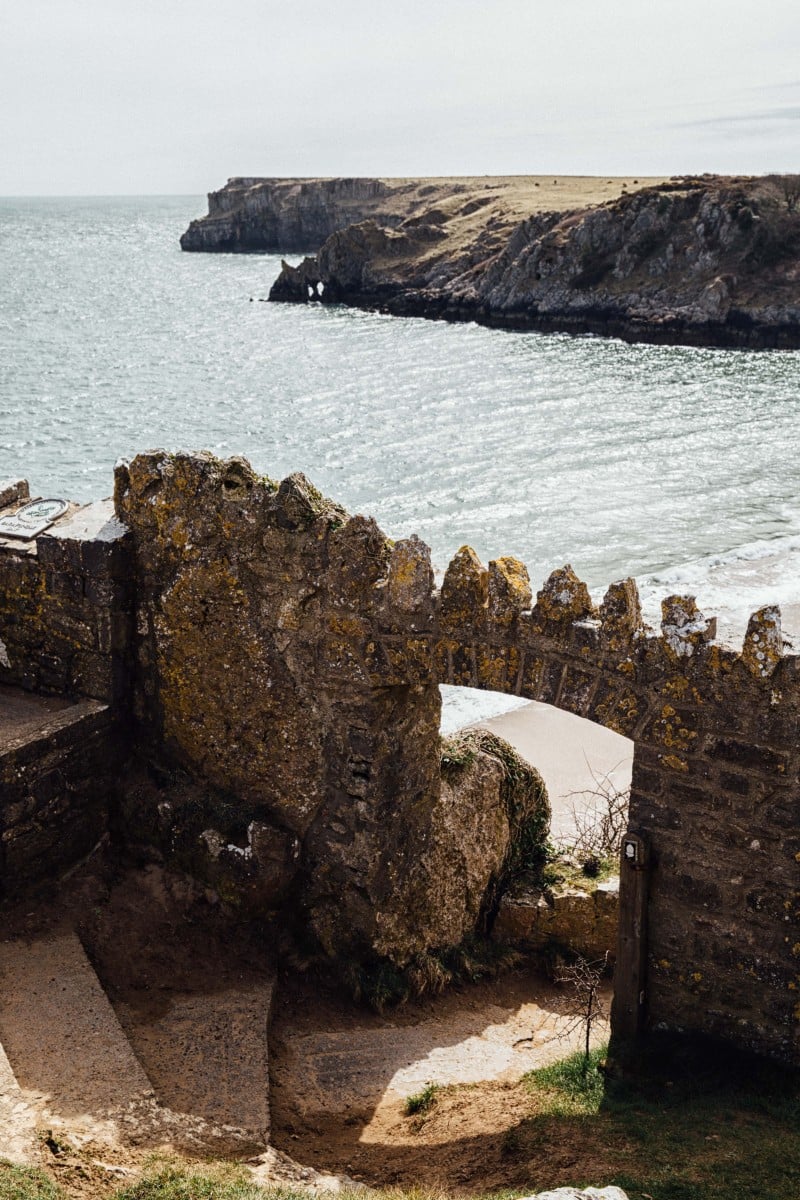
[{"x": 573, "y": 756}]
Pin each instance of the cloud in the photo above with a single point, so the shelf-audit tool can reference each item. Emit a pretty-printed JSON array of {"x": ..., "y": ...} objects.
[{"x": 772, "y": 116}]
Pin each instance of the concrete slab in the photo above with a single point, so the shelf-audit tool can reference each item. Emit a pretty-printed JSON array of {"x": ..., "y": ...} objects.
[
  {"x": 502, "y": 1032},
  {"x": 18, "y": 1142},
  {"x": 68, "y": 1052},
  {"x": 207, "y": 1056},
  {"x": 23, "y": 714}
]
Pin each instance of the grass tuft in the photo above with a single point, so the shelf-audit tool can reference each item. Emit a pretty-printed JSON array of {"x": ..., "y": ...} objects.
[
  {"x": 26, "y": 1183},
  {"x": 212, "y": 1183},
  {"x": 572, "y": 1087},
  {"x": 422, "y": 1102}
]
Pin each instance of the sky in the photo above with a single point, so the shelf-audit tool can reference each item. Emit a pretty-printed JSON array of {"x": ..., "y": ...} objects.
[{"x": 109, "y": 97}]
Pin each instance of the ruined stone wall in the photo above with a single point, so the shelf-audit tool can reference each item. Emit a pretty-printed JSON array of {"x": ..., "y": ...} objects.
[
  {"x": 66, "y": 621},
  {"x": 287, "y": 658},
  {"x": 55, "y": 787},
  {"x": 340, "y": 635},
  {"x": 715, "y": 789},
  {"x": 66, "y": 604},
  {"x": 262, "y": 609}
]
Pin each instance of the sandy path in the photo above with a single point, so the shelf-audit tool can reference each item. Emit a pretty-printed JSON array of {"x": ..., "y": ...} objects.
[
  {"x": 573, "y": 755},
  {"x": 353, "y": 1061},
  {"x": 340, "y": 1075}
]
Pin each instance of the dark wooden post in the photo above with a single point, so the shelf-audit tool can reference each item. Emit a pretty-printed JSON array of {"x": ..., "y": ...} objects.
[{"x": 630, "y": 975}]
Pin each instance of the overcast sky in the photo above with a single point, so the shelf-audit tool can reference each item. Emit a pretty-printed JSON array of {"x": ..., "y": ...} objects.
[{"x": 171, "y": 96}]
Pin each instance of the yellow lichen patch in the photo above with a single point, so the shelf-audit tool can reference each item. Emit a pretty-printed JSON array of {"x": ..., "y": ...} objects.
[
  {"x": 410, "y": 582},
  {"x": 345, "y": 626},
  {"x": 491, "y": 669},
  {"x": 621, "y": 614},
  {"x": 674, "y": 763},
  {"x": 677, "y": 686},
  {"x": 509, "y": 589},
  {"x": 564, "y": 597},
  {"x": 465, "y": 590},
  {"x": 618, "y": 712}
]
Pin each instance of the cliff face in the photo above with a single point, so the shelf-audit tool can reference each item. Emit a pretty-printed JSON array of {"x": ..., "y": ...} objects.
[
  {"x": 290, "y": 215},
  {"x": 706, "y": 261},
  {"x": 297, "y": 215}
]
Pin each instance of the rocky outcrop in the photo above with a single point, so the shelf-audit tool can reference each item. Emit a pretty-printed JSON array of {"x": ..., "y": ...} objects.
[
  {"x": 300, "y": 763},
  {"x": 705, "y": 261},
  {"x": 286, "y": 215}
]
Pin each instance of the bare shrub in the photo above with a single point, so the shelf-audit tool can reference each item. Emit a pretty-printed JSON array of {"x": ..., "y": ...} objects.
[
  {"x": 600, "y": 817},
  {"x": 583, "y": 981}
]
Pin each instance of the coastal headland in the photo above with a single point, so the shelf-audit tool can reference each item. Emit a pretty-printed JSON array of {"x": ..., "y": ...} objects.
[{"x": 699, "y": 260}]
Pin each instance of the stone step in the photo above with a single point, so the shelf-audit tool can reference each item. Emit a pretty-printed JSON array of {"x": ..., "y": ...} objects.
[
  {"x": 66, "y": 1048},
  {"x": 207, "y": 1056},
  {"x": 18, "y": 1141},
  {"x": 74, "y": 1064}
]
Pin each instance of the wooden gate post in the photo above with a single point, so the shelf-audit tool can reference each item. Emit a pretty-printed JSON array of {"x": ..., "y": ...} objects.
[{"x": 630, "y": 975}]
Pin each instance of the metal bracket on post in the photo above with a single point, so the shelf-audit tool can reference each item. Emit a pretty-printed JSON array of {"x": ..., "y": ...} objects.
[{"x": 630, "y": 975}]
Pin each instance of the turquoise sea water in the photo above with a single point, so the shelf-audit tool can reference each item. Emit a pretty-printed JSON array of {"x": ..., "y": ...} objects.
[{"x": 664, "y": 462}]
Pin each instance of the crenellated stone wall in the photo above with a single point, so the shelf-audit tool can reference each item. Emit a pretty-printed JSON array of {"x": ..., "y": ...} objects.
[
  {"x": 286, "y": 663},
  {"x": 66, "y": 604},
  {"x": 715, "y": 789},
  {"x": 66, "y": 621}
]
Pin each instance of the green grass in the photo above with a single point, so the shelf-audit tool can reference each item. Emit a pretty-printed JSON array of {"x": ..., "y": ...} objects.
[
  {"x": 698, "y": 1123},
  {"x": 421, "y": 1102},
  {"x": 177, "y": 1183},
  {"x": 26, "y": 1183},
  {"x": 571, "y": 1087}
]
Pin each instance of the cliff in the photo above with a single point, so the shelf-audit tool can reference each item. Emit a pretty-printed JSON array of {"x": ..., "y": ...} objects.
[
  {"x": 290, "y": 215},
  {"x": 707, "y": 261},
  {"x": 297, "y": 215}
]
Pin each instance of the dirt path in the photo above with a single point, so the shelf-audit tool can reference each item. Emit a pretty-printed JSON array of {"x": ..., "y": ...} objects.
[{"x": 340, "y": 1078}]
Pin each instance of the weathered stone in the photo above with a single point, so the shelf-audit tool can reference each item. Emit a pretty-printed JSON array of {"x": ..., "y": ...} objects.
[
  {"x": 590, "y": 1193},
  {"x": 621, "y": 614},
  {"x": 13, "y": 491},
  {"x": 256, "y": 875},
  {"x": 684, "y": 627},
  {"x": 410, "y": 586},
  {"x": 58, "y": 776},
  {"x": 282, "y": 663},
  {"x": 509, "y": 590},
  {"x": 583, "y": 920},
  {"x": 563, "y": 599},
  {"x": 465, "y": 591},
  {"x": 570, "y": 1193},
  {"x": 763, "y": 642}
]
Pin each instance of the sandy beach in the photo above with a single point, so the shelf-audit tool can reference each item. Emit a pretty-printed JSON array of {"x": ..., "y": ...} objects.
[{"x": 573, "y": 756}]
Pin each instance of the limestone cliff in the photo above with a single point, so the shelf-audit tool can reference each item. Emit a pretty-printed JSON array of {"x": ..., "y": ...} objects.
[
  {"x": 297, "y": 215},
  {"x": 286, "y": 215},
  {"x": 710, "y": 261}
]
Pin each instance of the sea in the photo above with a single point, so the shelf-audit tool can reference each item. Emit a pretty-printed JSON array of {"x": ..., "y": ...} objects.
[{"x": 673, "y": 464}]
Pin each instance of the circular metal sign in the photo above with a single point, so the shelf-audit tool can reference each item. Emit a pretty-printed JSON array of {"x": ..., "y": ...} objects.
[
  {"x": 33, "y": 518},
  {"x": 41, "y": 510}
]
